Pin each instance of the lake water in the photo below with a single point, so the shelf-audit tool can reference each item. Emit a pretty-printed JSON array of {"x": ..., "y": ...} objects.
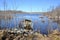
[{"x": 36, "y": 20}]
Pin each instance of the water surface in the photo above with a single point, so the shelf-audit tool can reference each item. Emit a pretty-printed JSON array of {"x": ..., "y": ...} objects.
[{"x": 36, "y": 20}]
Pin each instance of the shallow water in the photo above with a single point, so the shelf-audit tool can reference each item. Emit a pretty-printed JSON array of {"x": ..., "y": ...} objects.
[{"x": 36, "y": 20}]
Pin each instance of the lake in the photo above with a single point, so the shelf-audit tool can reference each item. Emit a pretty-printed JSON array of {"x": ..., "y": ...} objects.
[{"x": 43, "y": 24}]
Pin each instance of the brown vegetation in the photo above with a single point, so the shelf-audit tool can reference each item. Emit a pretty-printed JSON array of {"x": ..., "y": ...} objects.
[{"x": 54, "y": 14}]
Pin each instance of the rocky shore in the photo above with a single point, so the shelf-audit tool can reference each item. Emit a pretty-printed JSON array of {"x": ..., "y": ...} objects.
[{"x": 4, "y": 35}]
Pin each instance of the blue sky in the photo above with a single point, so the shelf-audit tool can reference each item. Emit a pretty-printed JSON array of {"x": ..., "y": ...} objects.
[{"x": 30, "y": 5}]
